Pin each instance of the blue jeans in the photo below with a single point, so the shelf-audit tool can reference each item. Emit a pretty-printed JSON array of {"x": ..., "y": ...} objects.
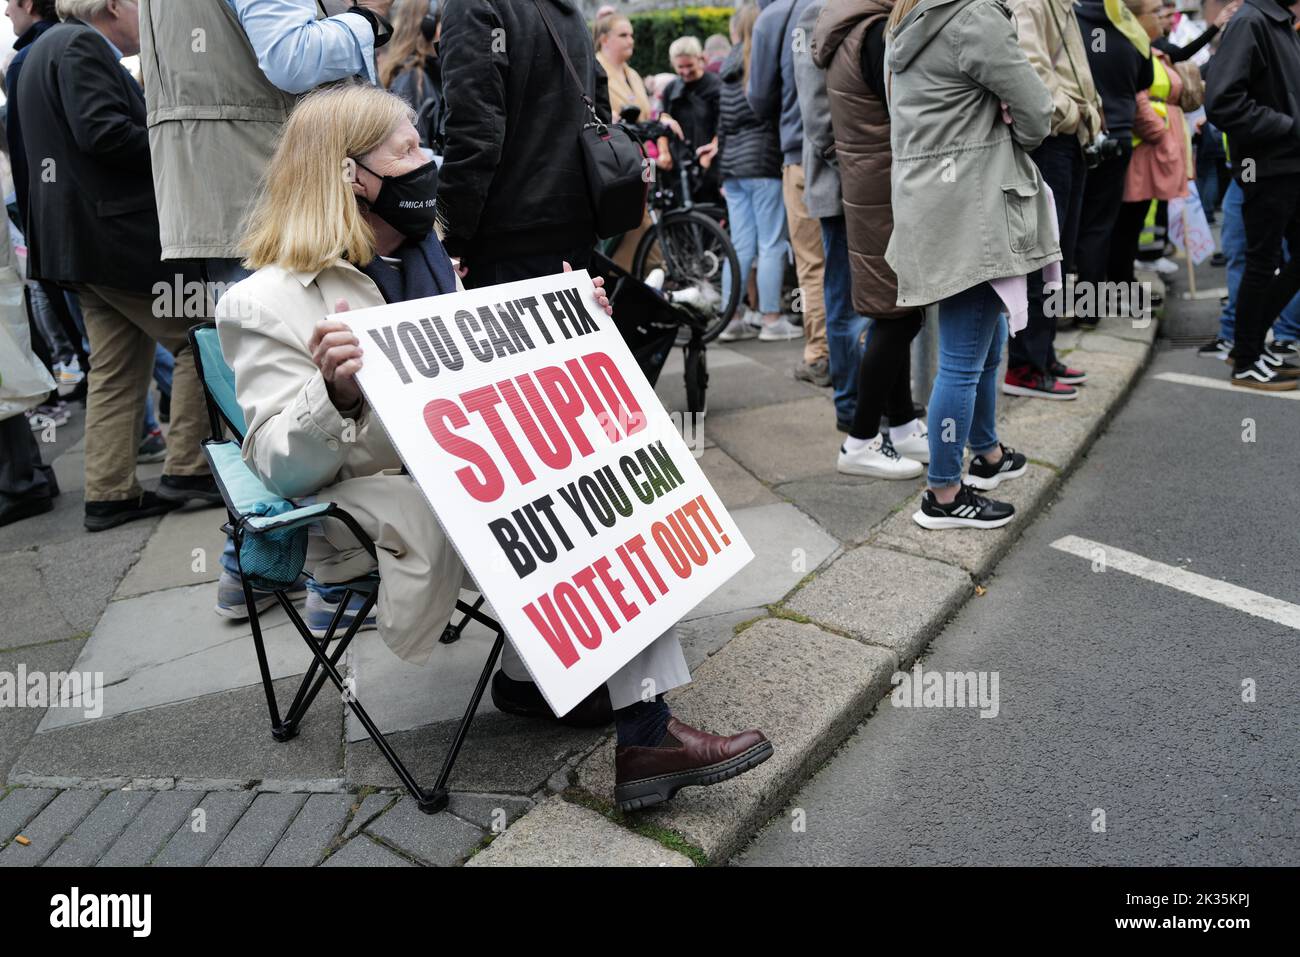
[
  {"x": 164, "y": 365},
  {"x": 845, "y": 329},
  {"x": 1287, "y": 326},
  {"x": 756, "y": 213},
  {"x": 963, "y": 405}
]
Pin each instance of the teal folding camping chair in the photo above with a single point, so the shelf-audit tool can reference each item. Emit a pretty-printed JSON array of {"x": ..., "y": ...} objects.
[{"x": 270, "y": 537}]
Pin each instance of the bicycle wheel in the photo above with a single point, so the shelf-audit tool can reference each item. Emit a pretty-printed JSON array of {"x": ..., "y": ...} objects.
[{"x": 696, "y": 256}]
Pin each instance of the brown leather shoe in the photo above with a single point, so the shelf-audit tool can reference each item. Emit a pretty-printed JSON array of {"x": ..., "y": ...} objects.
[{"x": 686, "y": 756}]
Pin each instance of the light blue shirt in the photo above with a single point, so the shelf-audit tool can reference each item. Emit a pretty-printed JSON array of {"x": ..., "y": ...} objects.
[{"x": 297, "y": 52}]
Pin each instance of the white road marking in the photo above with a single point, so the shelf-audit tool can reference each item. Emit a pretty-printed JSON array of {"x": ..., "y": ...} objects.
[
  {"x": 1207, "y": 383},
  {"x": 1211, "y": 589}
]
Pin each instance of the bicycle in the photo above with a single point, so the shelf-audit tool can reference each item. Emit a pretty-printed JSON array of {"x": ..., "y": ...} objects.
[{"x": 690, "y": 243}]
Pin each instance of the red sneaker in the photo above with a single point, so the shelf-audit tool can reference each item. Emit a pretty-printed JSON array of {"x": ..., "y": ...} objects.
[
  {"x": 1065, "y": 375},
  {"x": 1024, "y": 380}
]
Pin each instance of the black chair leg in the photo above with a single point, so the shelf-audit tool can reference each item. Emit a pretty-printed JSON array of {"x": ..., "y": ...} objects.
[
  {"x": 278, "y": 730},
  {"x": 451, "y": 633},
  {"x": 439, "y": 792},
  {"x": 302, "y": 702}
]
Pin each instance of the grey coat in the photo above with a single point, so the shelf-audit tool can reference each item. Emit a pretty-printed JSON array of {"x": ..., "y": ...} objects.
[
  {"x": 969, "y": 203},
  {"x": 821, "y": 189}
]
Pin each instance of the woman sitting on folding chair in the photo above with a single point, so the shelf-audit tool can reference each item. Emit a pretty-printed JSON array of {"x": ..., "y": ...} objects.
[{"x": 345, "y": 220}]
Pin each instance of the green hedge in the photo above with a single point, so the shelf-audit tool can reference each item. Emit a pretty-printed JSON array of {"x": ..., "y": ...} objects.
[{"x": 656, "y": 30}]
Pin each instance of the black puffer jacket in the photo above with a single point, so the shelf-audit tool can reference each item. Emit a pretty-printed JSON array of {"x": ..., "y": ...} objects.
[
  {"x": 747, "y": 146},
  {"x": 1253, "y": 91},
  {"x": 512, "y": 181}
]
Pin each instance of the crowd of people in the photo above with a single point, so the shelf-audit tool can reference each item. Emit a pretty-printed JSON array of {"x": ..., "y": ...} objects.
[{"x": 950, "y": 158}]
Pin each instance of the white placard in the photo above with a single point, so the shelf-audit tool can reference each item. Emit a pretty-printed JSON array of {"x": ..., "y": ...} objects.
[{"x": 555, "y": 471}]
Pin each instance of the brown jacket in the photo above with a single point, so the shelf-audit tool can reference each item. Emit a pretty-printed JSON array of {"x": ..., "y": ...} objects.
[{"x": 861, "y": 125}]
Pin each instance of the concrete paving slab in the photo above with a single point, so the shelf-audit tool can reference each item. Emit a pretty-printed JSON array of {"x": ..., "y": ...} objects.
[
  {"x": 224, "y": 736},
  {"x": 885, "y": 598},
  {"x": 93, "y": 836},
  {"x": 18, "y": 724},
  {"x": 773, "y": 441},
  {"x": 260, "y": 828},
  {"x": 787, "y": 546},
  {"x": 502, "y": 754},
  {"x": 56, "y": 820},
  {"x": 805, "y": 688},
  {"x": 741, "y": 376},
  {"x": 363, "y": 852},
  {"x": 312, "y": 831},
  {"x": 735, "y": 486},
  {"x": 442, "y": 840},
  {"x": 559, "y": 834},
  {"x": 168, "y": 647},
  {"x": 400, "y": 695},
  {"x": 29, "y": 614},
  {"x": 976, "y": 550},
  {"x": 1104, "y": 342},
  {"x": 19, "y": 806},
  {"x": 702, "y": 637},
  {"x": 82, "y": 588},
  {"x": 185, "y": 550},
  {"x": 70, "y": 470},
  {"x": 849, "y": 506},
  {"x": 371, "y": 806},
  {"x": 151, "y": 829},
  {"x": 491, "y": 812},
  {"x": 202, "y": 833}
]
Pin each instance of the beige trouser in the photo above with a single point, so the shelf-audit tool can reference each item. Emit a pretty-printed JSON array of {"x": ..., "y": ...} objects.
[
  {"x": 809, "y": 264},
  {"x": 420, "y": 577},
  {"x": 122, "y": 328}
]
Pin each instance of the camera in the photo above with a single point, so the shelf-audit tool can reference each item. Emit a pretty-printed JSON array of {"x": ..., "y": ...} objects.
[{"x": 1100, "y": 150}]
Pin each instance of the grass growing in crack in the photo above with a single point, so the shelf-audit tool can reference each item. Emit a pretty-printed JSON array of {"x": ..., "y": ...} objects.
[
  {"x": 660, "y": 835},
  {"x": 746, "y": 625}
]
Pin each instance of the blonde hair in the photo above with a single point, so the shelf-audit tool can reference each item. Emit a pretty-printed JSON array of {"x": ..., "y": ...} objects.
[
  {"x": 407, "y": 48},
  {"x": 901, "y": 9},
  {"x": 742, "y": 22},
  {"x": 605, "y": 26},
  {"x": 307, "y": 215}
]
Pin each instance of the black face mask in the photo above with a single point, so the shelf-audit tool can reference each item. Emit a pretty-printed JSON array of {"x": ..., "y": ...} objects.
[{"x": 408, "y": 202}]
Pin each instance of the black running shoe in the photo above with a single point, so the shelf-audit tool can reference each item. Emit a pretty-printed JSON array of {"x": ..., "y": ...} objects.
[
  {"x": 986, "y": 476},
  {"x": 968, "y": 510},
  {"x": 1218, "y": 348},
  {"x": 1284, "y": 348}
]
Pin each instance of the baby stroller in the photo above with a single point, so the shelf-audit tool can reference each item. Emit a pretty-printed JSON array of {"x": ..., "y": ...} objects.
[{"x": 651, "y": 326}]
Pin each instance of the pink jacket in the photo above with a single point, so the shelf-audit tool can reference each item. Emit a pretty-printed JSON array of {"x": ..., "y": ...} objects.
[{"x": 1161, "y": 165}]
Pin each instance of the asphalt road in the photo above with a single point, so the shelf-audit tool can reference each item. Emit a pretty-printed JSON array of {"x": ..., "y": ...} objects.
[{"x": 1117, "y": 694}]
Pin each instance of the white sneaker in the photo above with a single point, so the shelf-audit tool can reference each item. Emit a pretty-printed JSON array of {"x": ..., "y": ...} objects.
[
  {"x": 878, "y": 459},
  {"x": 692, "y": 296},
  {"x": 736, "y": 329},
  {"x": 1164, "y": 266},
  {"x": 915, "y": 446},
  {"x": 780, "y": 331}
]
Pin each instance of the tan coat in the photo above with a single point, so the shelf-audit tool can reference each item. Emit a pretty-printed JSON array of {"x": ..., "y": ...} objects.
[
  {"x": 301, "y": 446},
  {"x": 1061, "y": 62}
]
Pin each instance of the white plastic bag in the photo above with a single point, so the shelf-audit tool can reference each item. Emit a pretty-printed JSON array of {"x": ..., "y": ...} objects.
[{"x": 24, "y": 382}]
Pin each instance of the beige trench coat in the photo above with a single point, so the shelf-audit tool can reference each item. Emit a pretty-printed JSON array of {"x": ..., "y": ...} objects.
[{"x": 300, "y": 446}]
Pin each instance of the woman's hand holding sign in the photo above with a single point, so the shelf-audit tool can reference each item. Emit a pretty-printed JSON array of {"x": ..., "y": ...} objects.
[
  {"x": 598, "y": 291},
  {"x": 337, "y": 353}
]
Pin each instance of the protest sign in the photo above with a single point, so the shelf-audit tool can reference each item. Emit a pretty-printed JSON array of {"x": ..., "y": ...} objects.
[{"x": 555, "y": 471}]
